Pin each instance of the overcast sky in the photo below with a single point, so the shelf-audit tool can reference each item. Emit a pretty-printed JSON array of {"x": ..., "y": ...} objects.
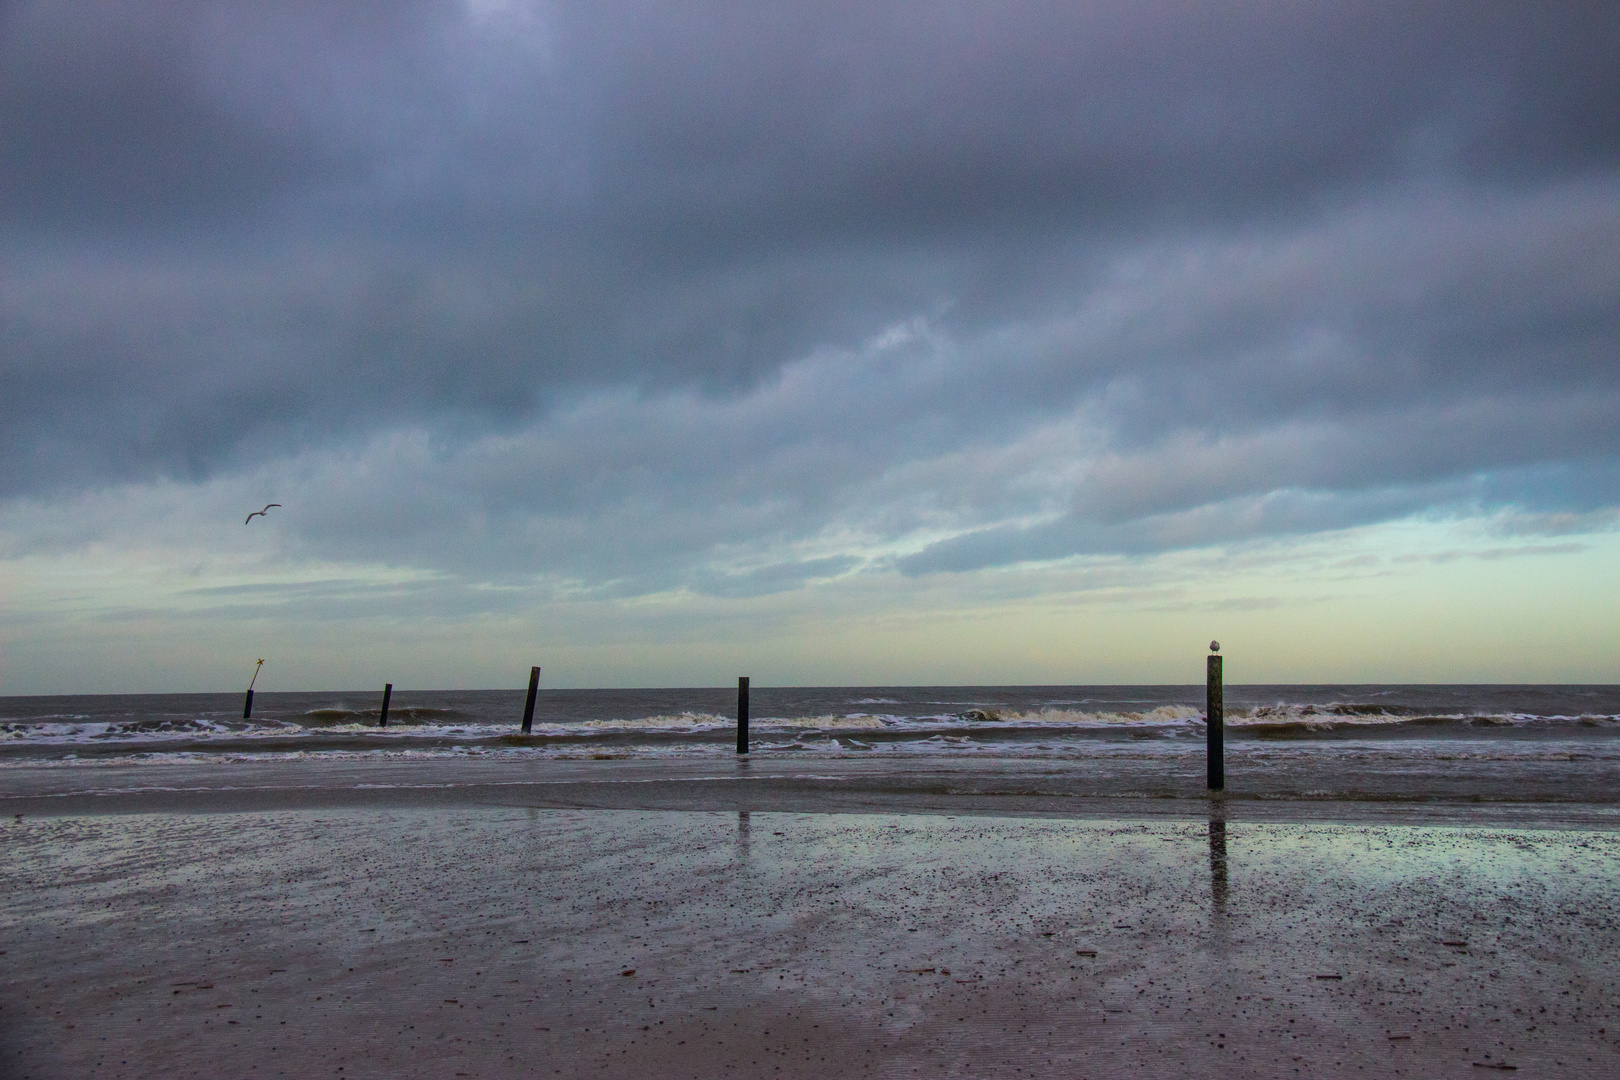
[{"x": 832, "y": 343}]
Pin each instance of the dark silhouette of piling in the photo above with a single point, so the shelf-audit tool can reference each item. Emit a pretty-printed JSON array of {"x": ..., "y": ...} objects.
[
  {"x": 388, "y": 692},
  {"x": 742, "y": 714},
  {"x": 1215, "y": 724},
  {"x": 528, "y": 708},
  {"x": 247, "y": 706}
]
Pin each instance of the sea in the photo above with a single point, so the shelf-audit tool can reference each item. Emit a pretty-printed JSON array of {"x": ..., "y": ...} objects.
[
  {"x": 1528, "y": 744},
  {"x": 1019, "y": 721}
]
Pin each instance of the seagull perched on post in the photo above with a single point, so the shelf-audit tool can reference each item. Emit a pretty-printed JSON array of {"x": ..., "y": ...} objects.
[{"x": 259, "y": 513}]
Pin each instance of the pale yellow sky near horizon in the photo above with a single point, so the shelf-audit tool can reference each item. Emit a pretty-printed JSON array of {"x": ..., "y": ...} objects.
[{"x": 1411, "y": 601}]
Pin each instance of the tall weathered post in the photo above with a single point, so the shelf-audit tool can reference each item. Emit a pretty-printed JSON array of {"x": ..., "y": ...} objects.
[
  {"x": 742, "y": 714},
  {"x": 247, "y": 706},
  {"x": 388, "y": 692},
  {"x": 1215, "y": 721},
  {"x": 528, "y": 708}
]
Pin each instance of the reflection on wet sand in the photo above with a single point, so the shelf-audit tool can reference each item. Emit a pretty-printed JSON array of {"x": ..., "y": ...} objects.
[{"x": 1217, "y": 863}]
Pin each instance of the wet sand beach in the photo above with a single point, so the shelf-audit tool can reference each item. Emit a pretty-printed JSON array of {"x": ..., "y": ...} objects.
[
  {"x": 351, "y": 926},
  {"x": 1529, "y": 783}
]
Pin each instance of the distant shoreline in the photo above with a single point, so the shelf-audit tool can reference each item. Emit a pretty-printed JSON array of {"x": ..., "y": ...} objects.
[{"x": 1232, "y": 688}]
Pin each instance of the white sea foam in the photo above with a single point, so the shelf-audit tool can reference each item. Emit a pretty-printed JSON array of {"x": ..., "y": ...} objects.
[
  {"x": 1162, "y": 716},
  {"x": 1336, "y": 715},
  {"x": 981, "y": 729}
]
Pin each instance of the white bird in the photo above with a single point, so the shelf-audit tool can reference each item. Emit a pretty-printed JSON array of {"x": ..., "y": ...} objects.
[{"x": 259, "y": 513}]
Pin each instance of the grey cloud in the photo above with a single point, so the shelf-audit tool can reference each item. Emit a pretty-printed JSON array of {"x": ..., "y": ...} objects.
[
  {"x": 1267, "y": 507},
  {"x": 1494, "y": 554},
  {"x": 111, "y": 116},
  {"x": 599, "y": 294},
  {"x": 1031, "y": 440},
  {"x": 1264, "y": 511},
  {"x": 1559, "y": 522},
  {"x": 895, "y": 117},
  {"x": 310, "y": 603},
  {"x": 282, "y": 590},
  {"x": 713, "y": 131},
  {"x": 1251, "y": 517},
  {"x": 777, "y": 577},
  {"x": 1411, "y": 446},
  {"x": 1409, "y": 303}
]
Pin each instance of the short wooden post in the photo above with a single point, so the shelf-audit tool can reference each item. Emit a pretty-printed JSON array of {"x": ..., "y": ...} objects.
[
  {"x": 742, "y": 714},
  {"x": 388, "y": 692},
  {"x": 1215, "y": 723},
  {"x": 528, "y": 708},
  {"x": 247, "y": 706}
]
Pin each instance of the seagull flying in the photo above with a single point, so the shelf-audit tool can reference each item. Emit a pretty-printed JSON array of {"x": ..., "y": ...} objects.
[{"x": 259, "y": 513}]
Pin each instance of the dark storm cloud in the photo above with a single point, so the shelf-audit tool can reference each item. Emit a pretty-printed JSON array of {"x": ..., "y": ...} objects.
[
  {"x": 111, "y": 115},
  {"x": 1280, "y": 267},
  {"x": 707, "y": 122},
  {"x": 902, "y": 120}
]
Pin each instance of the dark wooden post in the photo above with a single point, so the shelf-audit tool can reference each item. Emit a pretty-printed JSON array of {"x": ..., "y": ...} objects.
[
  {"x": 247, "y": 706},
  {"x": 528, "y": 708},
  {"x": 742, "y": 714},
  {"x": 1215, "y": 723},
  {"x": 388, "y": 692}
]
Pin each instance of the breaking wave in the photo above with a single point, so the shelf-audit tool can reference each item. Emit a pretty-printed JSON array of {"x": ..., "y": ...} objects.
[
  {"x": 409, "y": 714},
  {"x": 684, "y": 722},
  {"x": 1282, "y": 720}
]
